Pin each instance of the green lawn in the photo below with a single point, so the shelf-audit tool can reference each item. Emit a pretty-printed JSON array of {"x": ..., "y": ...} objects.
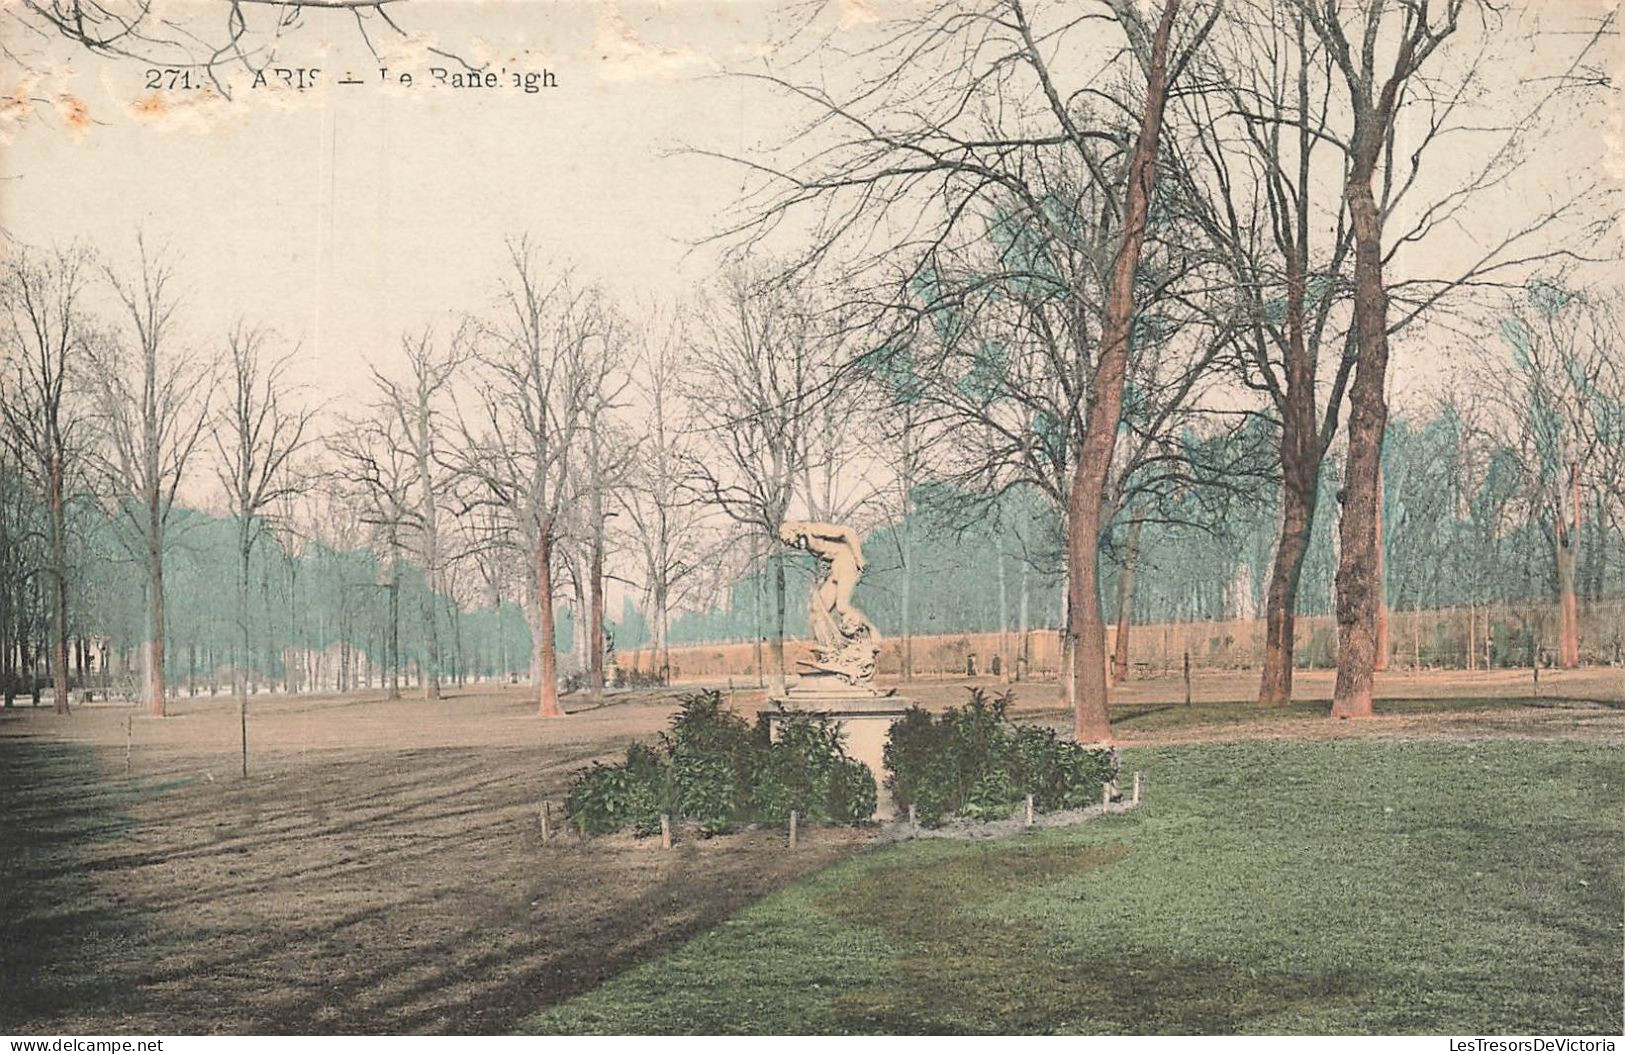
[
  {"x": 1335, "y": 887},
  {"x": 1151, "y": 718}
]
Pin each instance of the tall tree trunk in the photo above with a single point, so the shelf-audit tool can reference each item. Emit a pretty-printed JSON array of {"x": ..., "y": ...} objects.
[
  {"x": 59, "y": 582},
  {"x": 1299, "y": 492},
  {"x": 429, "y": 513},
  {"x": 457, "y": 642},
  {"x": 25, "y": 655},
  {"x": 291, "y": 658},
  {"x": 1024, "y": 656},
  {"x": 1568, "y": 605},
  {"x": 663, "y": 627},
  {"x": 1066, "y": 686},
  {"x": 1383, "y": 647},
  {"x": 578, "y": 623},
  {"x": 155, "y": 627},
  {"x": 1086, "y": 499},
  {"x": 8, "y": 666},
  {"x": 502, "y": 639},
  {"x": 1125, "y": 599},
  {"x": 595, "y": 574},
  {"x": 239, "y": 681},
  {"x": 1302, "y": 446},
  {"x": 1004, "y": 609},
  {"x": 1359, "y": 592},
  {"x": 759, "y": 579},
  {"x": 778, "y": 673},
  {"x": 907, "y": 526},
  {"x": 394, "y": 640},
  {"x": 547, "y": 662},
  {"x": 431, "y": 645}
]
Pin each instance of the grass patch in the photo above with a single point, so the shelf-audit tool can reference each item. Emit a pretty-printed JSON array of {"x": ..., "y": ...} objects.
[
  {"x": 1328, "y": 887},
  {"x": 1160, "y": 717}
]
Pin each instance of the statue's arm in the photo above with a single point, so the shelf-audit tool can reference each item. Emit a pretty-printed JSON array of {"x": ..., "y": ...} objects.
[
  {"x": 830, "y": 533},
  {"x": 848, "y": 537}
]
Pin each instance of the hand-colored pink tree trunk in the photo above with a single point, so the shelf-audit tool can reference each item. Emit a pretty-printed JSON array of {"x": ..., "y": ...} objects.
[{"x": 1085, "y": 501}]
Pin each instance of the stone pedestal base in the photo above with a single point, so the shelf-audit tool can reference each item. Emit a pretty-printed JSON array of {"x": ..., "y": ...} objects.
[{"x": 864, "y": 718}]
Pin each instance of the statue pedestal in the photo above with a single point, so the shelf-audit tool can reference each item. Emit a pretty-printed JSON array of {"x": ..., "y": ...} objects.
[{"x": 864, "y": 717}]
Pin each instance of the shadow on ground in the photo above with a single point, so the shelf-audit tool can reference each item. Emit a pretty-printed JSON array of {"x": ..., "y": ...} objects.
[{"x": 380, "y": 892}]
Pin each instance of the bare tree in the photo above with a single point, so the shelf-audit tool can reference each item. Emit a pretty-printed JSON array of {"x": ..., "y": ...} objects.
[
  {"x": 909, "y": 443},
  {"x": 959, "y": 117},
  {"x": 667, "y": 526},
  {"x": 603, "y": 470},
  {"x": 45, "y": 335},
  {"x": 1554, "y": 398},
  {"x": 1380, "y": 51},
  {"x": 204, "y": 41},
  {"x": 757, "y": 373},
  {"x": 414, "y": 406},
  {"x": 258, "y": 435},
  {"x": 1267, "y": 160},
  {"x": 374, "y": 463},
  {"x": 153, "y": 400},
  {"x": 535, "y": 365},
  {"x": 1086, "y": 625}
]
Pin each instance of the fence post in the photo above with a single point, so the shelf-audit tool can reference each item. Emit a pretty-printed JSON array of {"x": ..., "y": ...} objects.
[
  {"x": 913, "y": 823},
  {"x": 129, "y": 742},
  {"x": 793, "y": 819},
  {"x": 1187, "y": 677},
  {"x": 665, "y": 831},
  {"x": 1029, "y": 810},
  {"x": 1138, "y": 783},
  {"x": 547, "y": 820}
]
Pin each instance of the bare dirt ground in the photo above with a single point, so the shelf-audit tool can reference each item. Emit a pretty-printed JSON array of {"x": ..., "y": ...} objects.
[{"x": 382, "y": 871}]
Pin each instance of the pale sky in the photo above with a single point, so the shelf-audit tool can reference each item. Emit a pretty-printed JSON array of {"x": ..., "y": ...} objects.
[{"x": 346, "y": 215}]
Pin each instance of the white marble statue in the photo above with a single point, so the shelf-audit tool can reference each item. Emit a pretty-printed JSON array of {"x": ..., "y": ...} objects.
[{"x": 846, "y": 641}]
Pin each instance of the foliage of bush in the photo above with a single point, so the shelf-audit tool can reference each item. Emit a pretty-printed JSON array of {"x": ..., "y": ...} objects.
[
  {"x": 972, "y": 761},
  {"x": 715, "y": 770},
  {"x": 621, "y": 677},
  {"x": 807, "y": 770},
  {"x": 631, "y": 795}
]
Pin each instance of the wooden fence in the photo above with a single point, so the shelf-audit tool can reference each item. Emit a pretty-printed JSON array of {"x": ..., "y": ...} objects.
[{"x": 1502, "y": 635}]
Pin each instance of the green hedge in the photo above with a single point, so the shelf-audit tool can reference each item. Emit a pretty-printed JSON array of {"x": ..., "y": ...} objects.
[
  {"x": 972, "y": 761},
  {"x": 715, "y": 770}
]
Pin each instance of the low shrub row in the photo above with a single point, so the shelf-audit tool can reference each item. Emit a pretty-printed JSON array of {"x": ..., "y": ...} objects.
[
  {"x": 973, "y": 762},
  {"x": 714, "y": 770}
]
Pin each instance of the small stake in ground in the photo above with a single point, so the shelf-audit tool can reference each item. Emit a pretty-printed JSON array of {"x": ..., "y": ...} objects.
[
  {"x": 665, "y": 831},
  {"x": 793, "y": 819},
  {"x": 129, "y": 739},
  {"x": 1105, "y": 795},
  {"x": 1187, "y": 678},
  {"x": 1029, "y": 810},
  {"x": 547, "y": 820},
  {"x": 913, "y": 823},
  {"x": 1138, "y": 783}
]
